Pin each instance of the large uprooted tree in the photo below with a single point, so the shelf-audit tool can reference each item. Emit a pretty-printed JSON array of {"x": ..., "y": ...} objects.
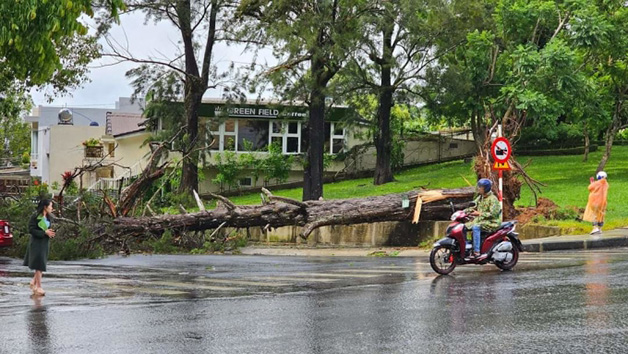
[{"x": 280, "y": 211}]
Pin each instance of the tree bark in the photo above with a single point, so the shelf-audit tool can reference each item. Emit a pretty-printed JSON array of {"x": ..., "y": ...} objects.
[
  {"x": 478, "y": 130},
  {"x": 383, "y": 144},
  {"x": 587, "y": 145},
  {"x": 189, "y": 173},
  {"x": 196, "y": 84},
  {"x": 313, "y": 172},
  {"x": 309, "y": 214},
  {"x": 610, "y": 136}
]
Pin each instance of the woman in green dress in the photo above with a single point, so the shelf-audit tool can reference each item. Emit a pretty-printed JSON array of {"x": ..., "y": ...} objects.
[{"x": 38, "y": 246}]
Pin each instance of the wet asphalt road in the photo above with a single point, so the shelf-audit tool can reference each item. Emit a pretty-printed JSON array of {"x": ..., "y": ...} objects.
[{"x": 557, "y": 302}]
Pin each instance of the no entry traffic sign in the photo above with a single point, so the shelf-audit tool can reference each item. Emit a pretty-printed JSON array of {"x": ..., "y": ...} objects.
[{"x": 501, "y": 152}]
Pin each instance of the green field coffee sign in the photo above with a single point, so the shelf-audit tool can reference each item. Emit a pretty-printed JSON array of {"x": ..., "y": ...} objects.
[
  {"x": 225, "y": 110},
  {"x": 259, "y": 112}
]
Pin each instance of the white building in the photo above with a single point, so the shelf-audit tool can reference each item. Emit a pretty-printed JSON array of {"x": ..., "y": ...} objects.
[{"x": 56, "y": 144}]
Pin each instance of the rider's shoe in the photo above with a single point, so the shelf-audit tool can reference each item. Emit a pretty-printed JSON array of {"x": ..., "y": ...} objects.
[{"x": 474, "y": 256}]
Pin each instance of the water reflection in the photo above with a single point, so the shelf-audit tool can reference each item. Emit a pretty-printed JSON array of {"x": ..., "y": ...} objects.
[
  {"x": 464, "y": 304},
  {"x": 446, "y": 290},
  {"x": 596, "y": 290},
  {"x": 38, "y": 326}
]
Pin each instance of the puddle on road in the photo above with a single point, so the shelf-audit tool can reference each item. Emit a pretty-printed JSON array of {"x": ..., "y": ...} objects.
[{"x": 152, "y": 291}]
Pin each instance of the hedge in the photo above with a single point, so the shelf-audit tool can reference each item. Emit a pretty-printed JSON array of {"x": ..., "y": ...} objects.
[{"x": 550, "y": 152}]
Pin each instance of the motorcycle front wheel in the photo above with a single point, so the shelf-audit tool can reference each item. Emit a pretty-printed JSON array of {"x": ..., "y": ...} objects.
[{"x": 442, "y": 260}]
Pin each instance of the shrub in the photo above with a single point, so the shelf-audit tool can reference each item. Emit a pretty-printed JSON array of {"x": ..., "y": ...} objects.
[
  {"x": 163, "y": 244},
  {"x": 567, "y": 213},
  {"x": 277, "y": 166},
  {"x": 228, "y": 170},
  {"x": 622, "y": 135},
  {"x": 561, "y": 136},
  {"x": 74, "y": 243},
  {"x": 230, "y": 243}
]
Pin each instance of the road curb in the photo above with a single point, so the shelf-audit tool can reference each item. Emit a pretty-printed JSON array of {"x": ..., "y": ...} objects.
[{"x": 568, "y": 245}]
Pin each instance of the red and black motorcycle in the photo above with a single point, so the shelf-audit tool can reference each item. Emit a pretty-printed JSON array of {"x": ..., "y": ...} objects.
[{"x": 500, "y": 247}]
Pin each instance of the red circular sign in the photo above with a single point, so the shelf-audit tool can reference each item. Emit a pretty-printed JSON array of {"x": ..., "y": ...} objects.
[{"x": 501, "y": 150}]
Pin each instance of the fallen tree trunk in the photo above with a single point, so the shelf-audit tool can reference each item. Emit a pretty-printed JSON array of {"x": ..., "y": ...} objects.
[{"x": 280, "y": 211}]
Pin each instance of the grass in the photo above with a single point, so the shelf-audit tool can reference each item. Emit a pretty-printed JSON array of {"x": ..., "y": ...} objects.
[
  {"x": 445, "y": 175},
  {"x": 566, "y": 179}
]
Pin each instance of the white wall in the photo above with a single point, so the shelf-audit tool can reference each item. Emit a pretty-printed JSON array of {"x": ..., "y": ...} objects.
[
  {"x": 45, "y": 117},
  {"x": 66, "y": 151},
  {"x": 128, "y": 152}
]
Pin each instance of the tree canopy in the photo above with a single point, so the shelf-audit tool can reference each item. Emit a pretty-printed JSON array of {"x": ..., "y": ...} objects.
[{"x": 36, "y": 37}]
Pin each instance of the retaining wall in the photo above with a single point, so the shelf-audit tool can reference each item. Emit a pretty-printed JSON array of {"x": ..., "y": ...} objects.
[{"x": 390, "y": 233}]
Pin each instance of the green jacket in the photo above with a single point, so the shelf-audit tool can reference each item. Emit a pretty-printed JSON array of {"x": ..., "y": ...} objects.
[
  {"x": 39, "y": 245},
  {"x": 490, "y": 212}
]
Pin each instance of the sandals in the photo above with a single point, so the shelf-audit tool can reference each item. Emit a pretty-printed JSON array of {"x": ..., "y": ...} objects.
[
  {"x": 39, "y": 292},
  {"x": 32, "y": 285}
]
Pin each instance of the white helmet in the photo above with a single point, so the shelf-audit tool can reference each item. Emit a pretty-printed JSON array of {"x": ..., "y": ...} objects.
[{"x": 600, "y": 175}]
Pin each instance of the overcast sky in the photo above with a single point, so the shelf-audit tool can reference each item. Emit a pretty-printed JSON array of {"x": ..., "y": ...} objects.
[{"x": 108, "y": 83}]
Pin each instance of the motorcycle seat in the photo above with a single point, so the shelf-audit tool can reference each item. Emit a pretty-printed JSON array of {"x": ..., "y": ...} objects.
[{"x": 506, "y": 224}]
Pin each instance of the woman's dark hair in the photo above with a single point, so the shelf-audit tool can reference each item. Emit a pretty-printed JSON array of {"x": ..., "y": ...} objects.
[{"x": 43, "y": 204}]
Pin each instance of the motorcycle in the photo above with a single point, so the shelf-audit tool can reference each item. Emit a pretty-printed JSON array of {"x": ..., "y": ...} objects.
[{"x": 501, "y": 246}]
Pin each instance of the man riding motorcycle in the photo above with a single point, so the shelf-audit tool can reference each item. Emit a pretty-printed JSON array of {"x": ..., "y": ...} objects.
[{"x": 487, "y": 212}]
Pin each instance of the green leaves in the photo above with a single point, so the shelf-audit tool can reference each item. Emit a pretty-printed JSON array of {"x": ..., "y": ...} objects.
[{"x": 44, "y": 42}]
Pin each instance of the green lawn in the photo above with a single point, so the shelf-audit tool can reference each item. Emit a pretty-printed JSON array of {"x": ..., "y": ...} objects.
[
  {"x": 566, "y": 179},
  {"x": 445, "y": 175}
]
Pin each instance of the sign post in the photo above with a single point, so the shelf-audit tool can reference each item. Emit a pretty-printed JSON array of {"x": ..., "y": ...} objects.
[{"x": 501, "y": 151}]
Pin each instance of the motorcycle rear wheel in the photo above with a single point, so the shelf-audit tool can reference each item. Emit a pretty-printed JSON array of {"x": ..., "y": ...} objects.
[
  {"x": 442, "y": 260},
  {"x": 513, "y": 261}
]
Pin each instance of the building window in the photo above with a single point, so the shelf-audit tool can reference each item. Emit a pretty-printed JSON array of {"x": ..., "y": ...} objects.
[
  {"x": 254, "y": 135},
  {"x": 246, "y": 182},
  {"x": 287, "y": 135},
  {"x": 334, "y": 138},
  {"x": 222, "y": 136}
]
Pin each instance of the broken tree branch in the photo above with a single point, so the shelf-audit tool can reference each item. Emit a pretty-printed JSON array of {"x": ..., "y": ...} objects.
[
  {"x": 226, "y": 202},
  {"x": 284, "y": 199}
]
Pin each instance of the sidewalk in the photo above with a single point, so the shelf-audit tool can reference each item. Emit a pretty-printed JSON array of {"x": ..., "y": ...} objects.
[
  {"x": 612, "y": 238},
  {"x": 608, "y": 239}
]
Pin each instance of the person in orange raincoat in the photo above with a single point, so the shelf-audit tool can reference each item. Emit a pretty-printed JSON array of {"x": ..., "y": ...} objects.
[{"x": 596, "y": 207}]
